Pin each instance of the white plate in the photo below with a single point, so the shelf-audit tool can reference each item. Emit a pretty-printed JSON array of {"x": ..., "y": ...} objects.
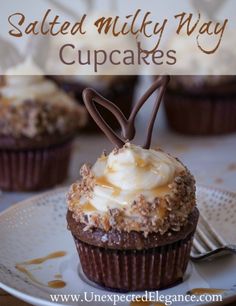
[{"x": 37, "y": 227}]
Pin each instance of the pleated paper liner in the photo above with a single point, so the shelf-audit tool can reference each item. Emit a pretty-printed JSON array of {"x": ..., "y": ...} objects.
[
  {"x": 201, "y": 115},
  {"x": 136, "y": 270},
  {"x": 37, "y": 169}
]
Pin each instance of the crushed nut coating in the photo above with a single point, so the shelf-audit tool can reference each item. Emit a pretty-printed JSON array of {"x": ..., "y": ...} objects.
[{"x": 169, "y": 212}]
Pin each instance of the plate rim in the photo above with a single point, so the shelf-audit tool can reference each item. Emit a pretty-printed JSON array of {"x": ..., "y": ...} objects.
[
  {"x": 64, "y": 188},
  {"x": 27, "y": 297},
  {"x": 33, "y": 198},
  {"x": 15, "y": 292},
  {"x": 32, "y": 299}
]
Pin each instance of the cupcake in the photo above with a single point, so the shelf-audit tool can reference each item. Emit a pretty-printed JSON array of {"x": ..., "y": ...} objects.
[
  {"x": 201, "y": 97},
  {"x": 133, "y": 215},
  {"x": 38, "y": 123},
  {"x": 201, "y": 105}
]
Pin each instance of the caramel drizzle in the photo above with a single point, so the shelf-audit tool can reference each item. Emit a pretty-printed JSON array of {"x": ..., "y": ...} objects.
[
  {"x": 102, "y": 181},
  {"x": 202, "y": 291},
  {"x": 196, "y": 291},
  {"x": 22, "y": 269},
  {"x": 88, "y": 207},
  {"x": 146, "y": 303},
  {"x": 56, "y": 284},
  {"x": 91, "y": 97},
  {"x": 40, "y": 260},
  {"x": 144, "y": 165}
]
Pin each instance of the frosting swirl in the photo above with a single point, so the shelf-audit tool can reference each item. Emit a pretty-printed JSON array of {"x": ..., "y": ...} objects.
[
  {"x": 27, "y": 87},
  {"x": 26, "y": 81},
  {"x": 135, "y": 168},
  {"x": 134, "y": 189},
  {"x": 129, "y": 172},
  {"x": 33, "y": 106}
]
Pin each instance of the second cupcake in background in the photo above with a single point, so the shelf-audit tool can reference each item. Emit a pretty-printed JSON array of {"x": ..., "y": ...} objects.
[
  {"x": 202, "y": 105},
  {"x": 38, "y": 123},
  {"x": 201, "y": 97},
  {"x": 133, "y": 214}
]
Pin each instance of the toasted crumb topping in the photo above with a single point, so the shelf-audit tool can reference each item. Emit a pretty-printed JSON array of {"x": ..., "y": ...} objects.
[
  {"x": 167, "y": 213},
  {"x": 83, "y": 187},
  {"x": 34, "y": 118}
]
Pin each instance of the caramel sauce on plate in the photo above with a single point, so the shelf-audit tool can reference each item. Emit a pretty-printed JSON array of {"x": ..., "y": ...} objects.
[
  {"x": 146, "y": 303},
  {"x": 41, "y": 260},
  {"x": 102, "y": 181},
  {"x": 201, "y": 291},
  {"x": 22, "y": 269},
  {"x": 56, "y": 284},
  {"x": 195, "y": 291}
]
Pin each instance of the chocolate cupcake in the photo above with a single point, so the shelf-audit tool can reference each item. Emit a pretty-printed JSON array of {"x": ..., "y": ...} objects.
[
  {"x": 38, "y": 123},
  {"x": 201, "y": 105},
  {"x": 201, "y": 97},
  {"x": 133, "y": 214}
]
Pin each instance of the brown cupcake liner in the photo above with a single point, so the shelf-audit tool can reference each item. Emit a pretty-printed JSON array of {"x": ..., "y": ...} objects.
[
  {"x": 135, "y": 270},
  {"x": 121, "y": 93},
  {"x": 31, "y": 170},
  {"x": 201, "y": 115}
]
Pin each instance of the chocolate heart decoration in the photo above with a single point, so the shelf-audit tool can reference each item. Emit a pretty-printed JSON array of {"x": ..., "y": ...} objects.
[{"x": 91, "y": 97}]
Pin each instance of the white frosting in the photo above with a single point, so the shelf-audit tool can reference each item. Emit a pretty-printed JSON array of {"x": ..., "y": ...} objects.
[
  {"x": 23, "y": 88},
  {"x": 27, "y": 67},
  {"x": 123, "y": 170},
  {"x": 122, "y": 176},
  {"x": 25, "y": 82}
]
